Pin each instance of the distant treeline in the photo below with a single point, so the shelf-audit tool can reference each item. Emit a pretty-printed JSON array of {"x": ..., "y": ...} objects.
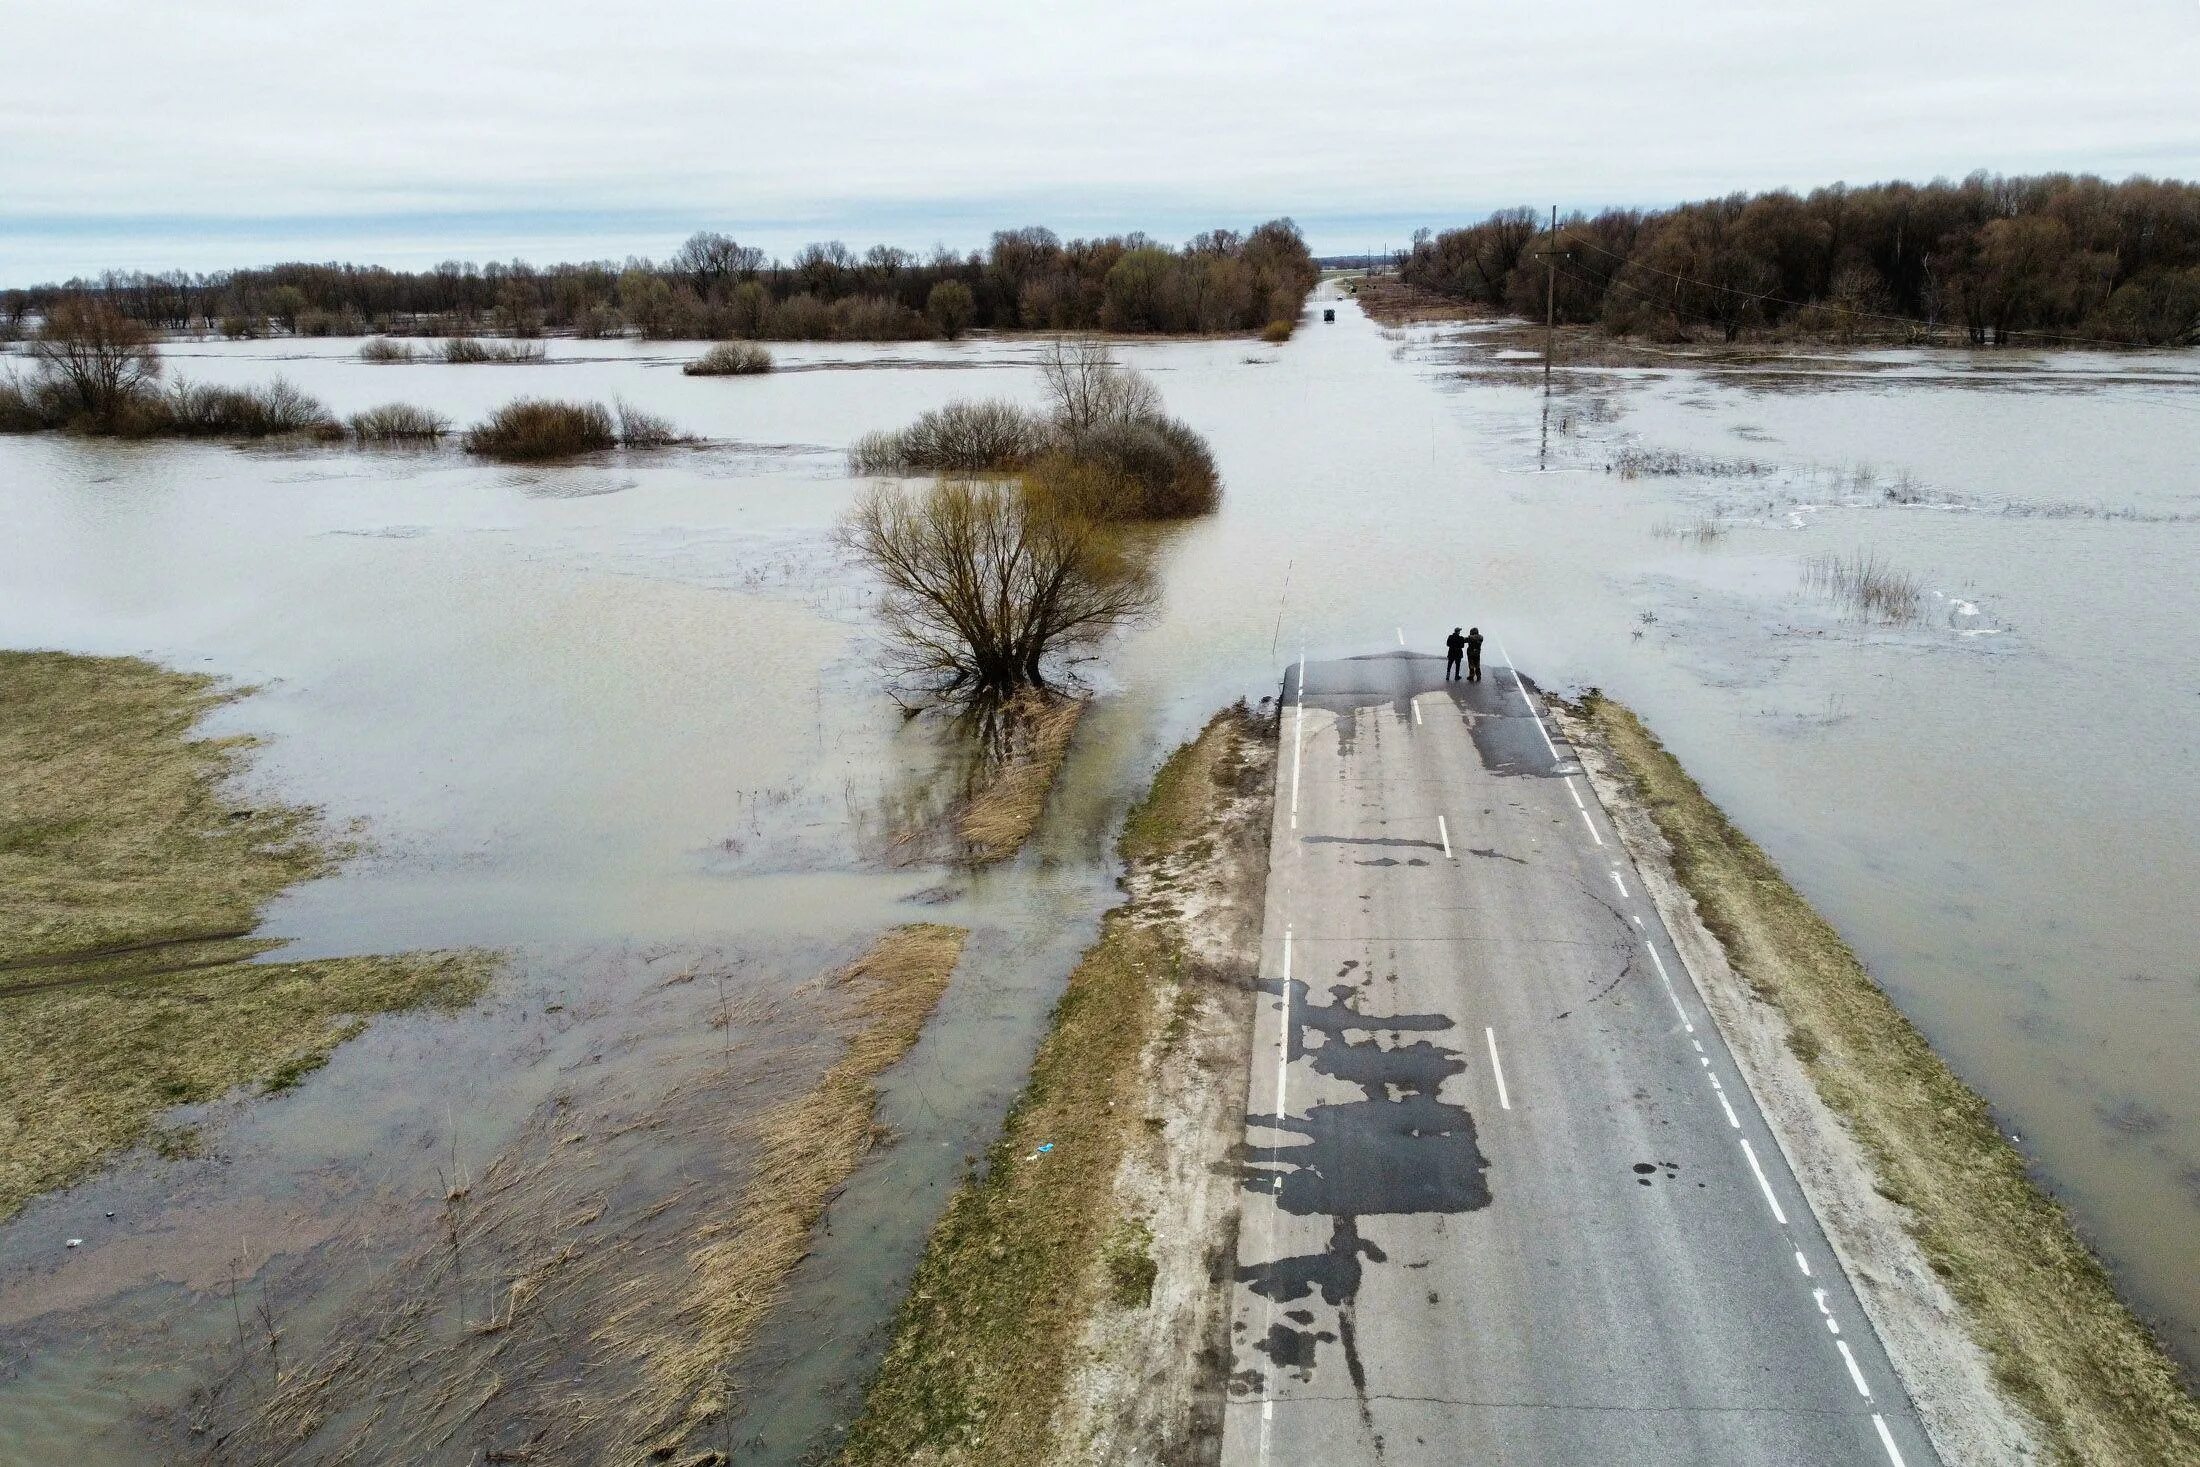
[
  {"x": 716, "y": 288},
  {"x": 1986, "y": 260}
]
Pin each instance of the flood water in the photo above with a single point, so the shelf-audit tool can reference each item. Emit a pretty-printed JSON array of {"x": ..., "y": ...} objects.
[{"x": 620, "y": 719}]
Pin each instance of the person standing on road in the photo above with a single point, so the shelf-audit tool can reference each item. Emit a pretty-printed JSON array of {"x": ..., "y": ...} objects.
[
  {"x": 1474, "y": 654},
  {"x": 1453, "y": 646}
]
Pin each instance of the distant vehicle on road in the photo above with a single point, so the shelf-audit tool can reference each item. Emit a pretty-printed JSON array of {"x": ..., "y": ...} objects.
[{"x": 1329, "y": 314}]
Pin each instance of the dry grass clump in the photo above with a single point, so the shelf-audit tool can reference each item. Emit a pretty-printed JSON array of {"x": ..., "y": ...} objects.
[
  {"x": 469, "y": 350},
  {"x": 730, "y": 359},
  {"x": 133, "y": 881},
  {"x": 964, "y": 437},
  {"x": 810, "y": 1147},
  {"x": 1867, "y": 586},
  {"x": 1031, "y": 1248},
  {"x": 1004, "y": 807},
  {"x": 398, "y": 422},
  {"x": 532, "y": 428},
  {"x": 2034, "y": 1297},
  {"x": 1275, "y": 333},
  {"x": 382, "y": 349}
]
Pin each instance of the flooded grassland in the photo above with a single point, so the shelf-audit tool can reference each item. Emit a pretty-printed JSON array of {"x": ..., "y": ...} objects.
[{"x": 618, "y": 720}]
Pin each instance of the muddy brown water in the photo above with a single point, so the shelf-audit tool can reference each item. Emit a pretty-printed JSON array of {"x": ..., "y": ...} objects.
[{"x": 619, "y": 717}]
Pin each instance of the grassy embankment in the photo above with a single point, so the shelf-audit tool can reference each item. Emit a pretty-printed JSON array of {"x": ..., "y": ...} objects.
[
  {"x": 1037, "y": 1243},
  {"x": 132, "y": 881},
  {"x": 2063, "y": 1345}
]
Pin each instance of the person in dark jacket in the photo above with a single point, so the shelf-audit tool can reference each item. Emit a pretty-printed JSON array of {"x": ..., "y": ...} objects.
[
  {"x": 1453, "y": 646},
  {"x": 1474, "y": 654}
]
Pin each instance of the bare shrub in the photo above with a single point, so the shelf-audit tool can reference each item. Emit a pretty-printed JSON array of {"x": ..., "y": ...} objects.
[
  {"x": 731, "y": 359},
  {"x": 1867, "y": 586},
  {"x": 639, "y": 429},
  {"x": 466, "y": 350},
  {"x": 31, "y": 406},
  {"x": 528, "y": 429},
  {"x": 102, "y": 360},
  {"x": 276, "y": 408},
  {"x": 964, "y": 437},
  {"x": 382, "y": 349},
  {"x": 398, "y": 422},
  {"x": 985, "y": 580},
  {"x": 1088, "y": 386}
]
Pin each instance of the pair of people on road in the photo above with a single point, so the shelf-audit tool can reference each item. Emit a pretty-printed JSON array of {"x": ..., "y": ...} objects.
[{"x": 1471, "y": 645}]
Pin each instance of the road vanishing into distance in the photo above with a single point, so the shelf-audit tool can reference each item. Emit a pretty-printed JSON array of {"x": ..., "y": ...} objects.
[{"x": 1508, "y": 1200}]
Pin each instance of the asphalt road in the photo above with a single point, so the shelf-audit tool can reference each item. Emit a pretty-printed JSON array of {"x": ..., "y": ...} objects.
[{"x": 1507, "y": 1199}]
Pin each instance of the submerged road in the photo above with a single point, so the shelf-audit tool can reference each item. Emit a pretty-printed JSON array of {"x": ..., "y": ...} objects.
[{"x": 1507, "y": 1199}]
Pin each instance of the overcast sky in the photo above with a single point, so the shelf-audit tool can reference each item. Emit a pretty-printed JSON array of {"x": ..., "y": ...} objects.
[{"x": 154, "y": 134}]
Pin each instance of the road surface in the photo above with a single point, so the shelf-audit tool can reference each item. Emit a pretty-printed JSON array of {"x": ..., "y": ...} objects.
[{"x": 1507, "y": 1199}]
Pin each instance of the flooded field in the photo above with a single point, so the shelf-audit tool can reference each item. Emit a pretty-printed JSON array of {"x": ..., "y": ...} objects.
[{"x": 620, "y": 719}]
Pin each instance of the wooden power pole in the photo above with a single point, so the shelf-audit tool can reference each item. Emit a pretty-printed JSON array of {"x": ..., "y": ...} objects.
[{"x": 1550, "y": 297}]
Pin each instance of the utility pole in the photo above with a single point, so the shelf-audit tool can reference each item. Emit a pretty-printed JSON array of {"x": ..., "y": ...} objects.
[{"x": 1550, "y": 298}]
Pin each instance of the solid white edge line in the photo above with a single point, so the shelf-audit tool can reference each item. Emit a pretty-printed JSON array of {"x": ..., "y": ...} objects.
[
  {"x": 1298, "y": 742},
  {"x": 1575, "y": 793},
  {"x": 1763, "y": 1185},
  {"x": 1401, "y": 636},
  {"x": 1886, "y": 1439},
  {"x": 1522, "y": 689},
  {"x": 1731, "y": 1119},
  {"x": 1854, "y": 1374},
  {"x": 1416, "y": 712},
  {"x": 1585, "y": 820},
  {"x": 1669, "y": 991},
  {"x": 1283, "y": 1033},
  {"x": 1497, "y": 1067},
  {"x": 1445, "y": 832}
]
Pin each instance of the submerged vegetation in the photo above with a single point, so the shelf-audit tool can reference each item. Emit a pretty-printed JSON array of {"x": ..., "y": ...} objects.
[
  {"x": 715, "y": 288},
  {"x": 1106, "y": 439},
  {"x": 467, "y": 351},
  {"x": 2034, "y": 1297},
  {"x": 398, "y": 422},
  {"x": 1866, "y": 586},
  {"x": 1042, "y": 1243},
  {"x": 730, "y": 359},
  {"x": 1988, "y": 261},
  {"x": 810, "y": 1147},
  {"x": 127, "y": 976},
  {"x": 531, "y": 429}
]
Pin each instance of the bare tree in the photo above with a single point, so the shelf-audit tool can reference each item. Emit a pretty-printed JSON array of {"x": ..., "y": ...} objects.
[
  {"x": 986, "y": 580},
  {"x": 99, "y": 356},
  {"x": 711, "y": 261},
  {"x": 1089, "y": 387}
]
